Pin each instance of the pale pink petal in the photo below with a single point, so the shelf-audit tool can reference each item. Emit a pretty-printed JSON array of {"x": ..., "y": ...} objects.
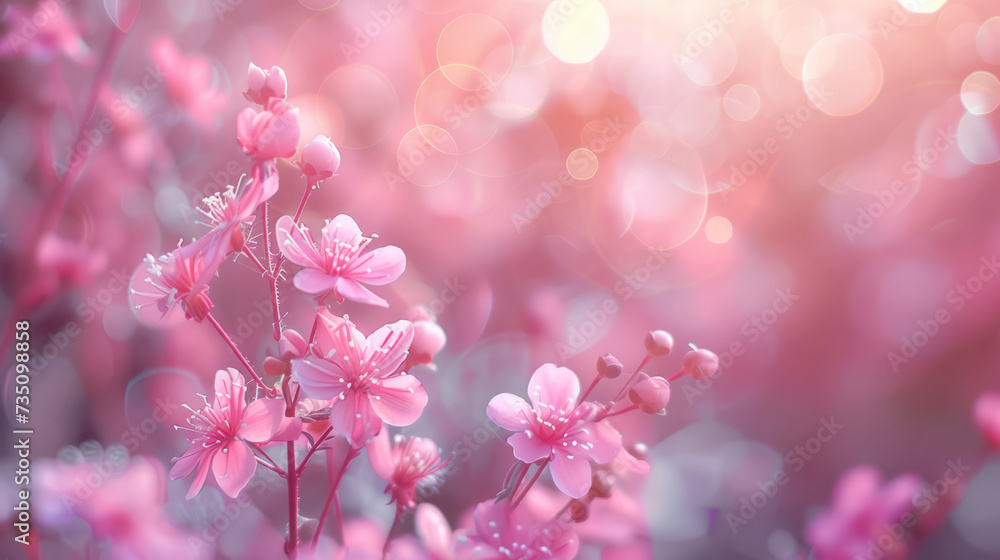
[
  {"x": 262, "y": 420},
  {"x": 342, "y": 228},
  {"x": 398, "y": 400},
  {"x": 352, "y": 290},
  {"x": 296, "y": 243},
  {"x": 336, "y": 338},
  {"x": 315, "y": 281},
  {"x": 510, "y": 412},
  {"x": 571, "y": 473},
  {"x": 233, "y": 466},
  {"x": 245, "y": 134},
  {"x": 187, "y": 462},
  {"x": 434, "y": 531},
  {"x": 555, "y": 386},
  {"x": 605, "y": 440},
  {"x": 387, "y": 347},
  {"x": 529, "y": 448},
  {"x": 319, "y": 378},
  {"x": 202, "y": 474},
  {"x": 353, "y": 418},
  {"x": 379, "y": 266},
  {"x": 288, "y": 430},
  {"x": 380, "y": 454}
]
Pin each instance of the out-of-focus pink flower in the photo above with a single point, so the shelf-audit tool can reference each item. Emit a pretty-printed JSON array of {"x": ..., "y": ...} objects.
[
  {"x": 986, "y": 412},
  {"x": 181, "y": 277},
  {"x": 263, "y": 85},
  {"x": 269, "y": 134},
  {"x": 556, "y": 427},
  {"x": 406, "y": 464},
  {"x": 360, "y": 376},
  {"x": 337, "y": 263},
  {"x": 320, "y": 159},
  {"x": 502, "y": 534},
  {"x": 221, "y": 430},
  {"x": 428, "y": 338},
  {"x": 435, "y": 532},
  {"x": 42, "y": 34},
  {"x": 189, "y": 81},
  {"x": 700, "y": 363},
  {"x": 650, "y": 394},
  {"x": 862, "y": 518}
]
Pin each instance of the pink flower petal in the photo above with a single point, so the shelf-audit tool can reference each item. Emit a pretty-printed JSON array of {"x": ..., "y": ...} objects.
[
  {"x": 555, "y": 386},
  {"x": 296, "y": 243},
  {"x": 509, "y": 411},
  {"x": 434, "y": 531},
  {"x": 398, "y": 400},
  {"x": 529, "y": 449},
  {"x": 336, "y": 338},
  {"x": 186, "y": 462},
  {"x": 288, "y": 430},
  {"x": 233, "y": 466},
  {"x": 379, "y": 266},
  {"x": 353, "y": 418},
  {"x": 352, "y": 290},
  {"x": 605, "y": 440},
  {"x": 387, "y": 347},
  {"x": 202, "y": 474},
  {"x": 262, "y": 420},
  {"x": 342, "y": 228},
  {"x": 315, "y": 281},
  {"x": 571, "y": 473},
  {"x": 380, "y": 455},
  {"x": 319, "y": 378}
]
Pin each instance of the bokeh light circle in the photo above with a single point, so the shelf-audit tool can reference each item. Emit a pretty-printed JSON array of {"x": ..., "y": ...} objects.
[
  {"x": 741, "y": 102},
  {"x": 366, "y": 106},
  {"x": 477, "y": 41},
  {"x": 582, "y": 164},
  {"x": 988, "y": 40},
  {"x": 427, "y": 155},
  {"x": 980, "y": 93},
  {"x": 458, "y": 99},
  {"x": 319, "y": 4},
  {"x": 718, "y": 230},
  {"x": 922, "y": 6},
  {"x": 842, "y": 74},
  {"x": 977, "y": 139},
  {"x": 576, "y": 31}
]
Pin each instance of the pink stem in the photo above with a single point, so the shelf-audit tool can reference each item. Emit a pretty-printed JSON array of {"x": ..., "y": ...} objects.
[
  {"x": 527, "y": 487},
  {"x": 302, "y": 203},
  {"x": 591, "y": 388},
  {"x": 232, "y": 345},
  {"x": 271, "y": 467},
  {"x": 392, "y": 529},
  {"x": 628, "y": 385},
  {"x": 622, "y": 411},
  {"x": 677, "y": 375},
  {"x": 256, "y": 261},
  {"x": 313, "y": 449},
  {"x": 335, "y": 500},
  {"x": 293, "y": 503}
]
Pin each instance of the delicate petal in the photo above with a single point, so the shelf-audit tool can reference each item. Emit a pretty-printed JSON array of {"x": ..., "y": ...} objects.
[
  {"x": 186, "y": 462},
  {"x": 353, "y": 418},
  {"x": 379, "y": 266},
  {"x": 509, "y": 411},
  {"x": 380, "y": 455},
  {"x": 336, "y": 337},
  {"x": 434, "y": 531},
  {"x": 398, "y": 400},
  {"x": 555, "y": 386},
  {"x": 315, "y": 281},
  {"x": 261, "y": 420},
  {"x": 605, "y": 440},
  {"x": 352, "y": 290},
  {"x": 529, "y": 449},
  {"x": 387, "y": 347},
  {"x": 296, "y": 243},
  {"x": 319, "y": 378},
  {"x": 342, "y": 228},
  {"x": 233, "y": 466},
  {"x": 288, "y": 430},
  {"x": 202, "y": 474},
  {"x": 571, "y": 473}
]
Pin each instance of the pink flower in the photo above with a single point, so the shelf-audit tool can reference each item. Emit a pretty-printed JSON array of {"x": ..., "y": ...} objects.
[
  {"x": 700, "y": 363},
  {"x": 650, "y": 394},
  {"x": 434, "y": 532},
  {"x": 189, "y": 81},
  {"x": 320, "y": 159},
  {"x": 181, "y": 277},
  {"x": 360, "y": 375},
  {"x": 230, "y": 210},
  {"x": 986, "y": 412},
  {"x": 221, "y": 430},
  {"x": 272, "y": 133},
  {"x": 263, "y": 85},
  {"x": 337, "y": 264},
  {"x": 42, "y": 34},
  {"x": 406, "y": 465},
  {"x": 557, "y": 428},
  {"x": 502, "y": 534},
  {"x": 860, "y": 517},
  {"x": 428, "y": 338}
]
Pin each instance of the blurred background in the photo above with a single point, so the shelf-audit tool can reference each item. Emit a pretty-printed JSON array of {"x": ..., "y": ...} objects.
[{"x": 807, "y": 188}]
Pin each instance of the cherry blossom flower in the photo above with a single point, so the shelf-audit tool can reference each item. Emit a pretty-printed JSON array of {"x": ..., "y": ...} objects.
[
  {"x": 181, "y": 277},
  {"x": 189, "y": 81},
  {"x": 337, "y": 263},
  {"x": 269, "y": 134},
  {"x": 986, "y": 412},
  {"x": 408, "y": 463},
  {"x": 231, "y": 209},
  {"x": 360, "y": 375},
  {"x": 221, "y": 430},
  {"x": 557, "y": 428},
  {"x": 262, "y": 85},
  {"x": 503, "y": 534}
]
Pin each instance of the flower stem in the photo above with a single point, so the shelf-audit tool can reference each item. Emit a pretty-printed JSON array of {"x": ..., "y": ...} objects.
[
  {"x": 313, "y": 449},
  {"x": 392, "y": 529},
  {"x": 677, "y": 375},
  {"x": 335, "y": 500},
  {"x": 628, "y": 384},
  {"x": 541, "y": 467},
  {"x": 591, "y": 388},
  {"x": 622, "y": 411},
  {"x": 293, "y": 504},
  {"x": 236, "y": 350},
  {"x": 302, "y": 204}
]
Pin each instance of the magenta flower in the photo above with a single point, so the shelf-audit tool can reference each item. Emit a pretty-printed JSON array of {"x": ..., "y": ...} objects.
[
  {"x": 221, "y": 430},
  {"x": 557, "y": 428},
  {"x": 502, "y": 534},
  {"x": 181, "y": 277},
  {"x": 337, "y": 263},
  {"x": 406, "y": 465},
  {"x": 270, "y": 134},
  {"x": 231, "y": 209},
  {"x": 360, "y": 376}
]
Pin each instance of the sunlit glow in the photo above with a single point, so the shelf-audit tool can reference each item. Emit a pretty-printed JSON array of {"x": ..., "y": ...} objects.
[
  {"x": 576, "y": 31},
  {"x": 718, "y": 230}
]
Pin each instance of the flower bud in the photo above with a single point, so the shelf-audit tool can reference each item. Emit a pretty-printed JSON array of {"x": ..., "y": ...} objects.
[
  {"x": 578, "y": 511},
  {"x": 609, "y": 366},
  {"x": 269, "y": 134},
  {"x": 650, "y": 394},
  {"x": 601, "y": 484},
  {"x": 428, "y": 340},
  {"x": 274, "y": 367},
  {"x": 700, "y": 363},
  {"x": 320, "y": 159},
  {"x": 639, "y": 451},
  {"x": 986, "y": 412},
  {"x": 291, "y": 345},
  {"x": 659, "y": 343},
  {"x": 263, "y": 85}
]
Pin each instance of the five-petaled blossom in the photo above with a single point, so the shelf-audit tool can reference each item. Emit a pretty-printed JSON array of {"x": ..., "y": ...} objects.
[
  {"x": 360, "y": 376},
  {"x": 220, "y": 431},
  {"x": 505, "y": 534},
  {"x": 557, "y": 428},
  {"x": 408, "y": 463},
  {"x": 231, "y": 209},
  {"x": 337, "y": 263},
  {"x": 181, "y": 277}
]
